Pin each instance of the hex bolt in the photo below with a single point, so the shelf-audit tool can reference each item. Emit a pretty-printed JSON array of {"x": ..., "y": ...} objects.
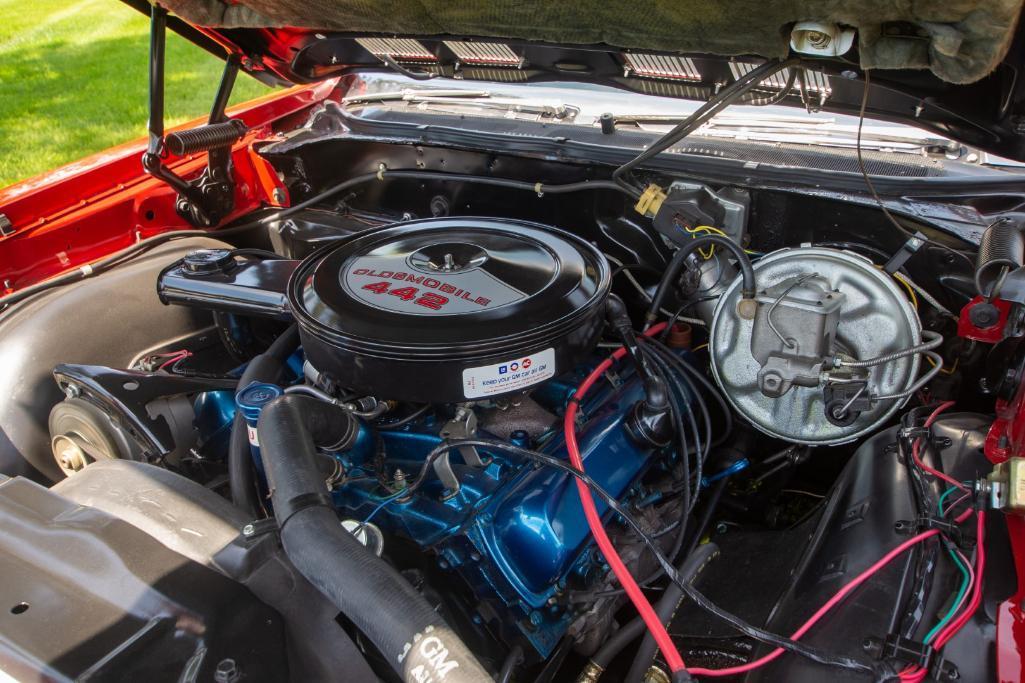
[
  {"x": 872, "y": 647},
  {"x": 248, "y": 530},
  {"x": 227, "y": 671}
]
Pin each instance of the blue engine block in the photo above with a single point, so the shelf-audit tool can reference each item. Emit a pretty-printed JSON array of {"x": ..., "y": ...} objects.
[{"x": 515, "y": 531}]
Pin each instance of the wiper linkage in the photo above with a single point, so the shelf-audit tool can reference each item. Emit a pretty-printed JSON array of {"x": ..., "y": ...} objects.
[{"x": 467, "y": 97}]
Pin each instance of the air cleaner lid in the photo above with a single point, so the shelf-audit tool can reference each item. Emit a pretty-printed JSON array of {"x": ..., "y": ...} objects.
[{"x": 452, "y": 287}]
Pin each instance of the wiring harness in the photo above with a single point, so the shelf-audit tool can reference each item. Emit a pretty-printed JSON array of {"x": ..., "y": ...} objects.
[{"x": 959, "y": 614}]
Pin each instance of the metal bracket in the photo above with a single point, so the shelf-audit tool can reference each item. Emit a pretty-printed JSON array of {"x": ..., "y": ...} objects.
[
  {"x": 912, "y": 433},
  {"x": 462, "y": 426},
  {"x": 844, "y": 403},
  {"x": 906, "y": 251},
  {"x": 126, "y": 394},
  {"x": 259, "y": 527}
]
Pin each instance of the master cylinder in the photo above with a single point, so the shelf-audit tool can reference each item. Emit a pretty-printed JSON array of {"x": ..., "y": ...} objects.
[{"x": 787, "y": 371}]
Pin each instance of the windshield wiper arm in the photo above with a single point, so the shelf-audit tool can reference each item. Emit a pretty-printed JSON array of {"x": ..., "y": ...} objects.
[
  {"x": 790, "y": 129},
  {"x": 411, "y": 95},
  {"x": 477, "y": 98}
]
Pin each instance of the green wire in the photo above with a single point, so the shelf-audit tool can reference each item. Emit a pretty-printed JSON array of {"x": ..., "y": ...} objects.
[
  {"x": 957, "y": 600},
  {"x": 943, "y": 497},
  {"x": 964, "y": 572}
]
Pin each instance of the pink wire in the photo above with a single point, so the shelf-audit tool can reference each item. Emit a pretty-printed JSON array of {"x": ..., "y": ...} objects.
[
  {"x": 180, "y": 355},
  {"x": 950, "y": 508},
  {"x": 917, "y": 445},
  {"x": 953, "y": 627},
  {"x": 830, "y": 604},
  {"x": 911, "y": 675},
  {"x": 980, "y": 565}
]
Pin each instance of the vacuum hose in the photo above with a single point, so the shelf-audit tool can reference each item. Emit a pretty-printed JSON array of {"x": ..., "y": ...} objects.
[
  {"x": 413, "y": 638},
  {"x": 672, "y": 273}
]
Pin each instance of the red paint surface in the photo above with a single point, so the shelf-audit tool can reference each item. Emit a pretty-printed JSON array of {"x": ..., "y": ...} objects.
[
  {"x": 990, "y": 335},
  {"x": 1005, "y": 440},
  {"x": 1010, "y": 650},
  {"x": 1006, "y": 436},
  {"x": 84, "y": 211}
]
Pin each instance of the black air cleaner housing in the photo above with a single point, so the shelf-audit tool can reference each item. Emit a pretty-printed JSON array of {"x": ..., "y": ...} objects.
[{"x": 449, "y": 310}]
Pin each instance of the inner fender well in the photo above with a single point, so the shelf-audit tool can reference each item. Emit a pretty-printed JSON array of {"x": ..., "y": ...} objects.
[{"x": 103, "y": 320}]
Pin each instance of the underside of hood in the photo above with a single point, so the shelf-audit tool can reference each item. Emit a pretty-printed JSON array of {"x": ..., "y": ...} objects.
[{"x": 960, "y": 41}]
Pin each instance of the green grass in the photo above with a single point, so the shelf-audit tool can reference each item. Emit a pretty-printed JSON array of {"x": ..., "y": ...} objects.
[{"x": 73, "y": 81}]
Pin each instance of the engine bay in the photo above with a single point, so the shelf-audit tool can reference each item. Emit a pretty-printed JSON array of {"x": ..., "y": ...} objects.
[{"x": 443, "y": 378}]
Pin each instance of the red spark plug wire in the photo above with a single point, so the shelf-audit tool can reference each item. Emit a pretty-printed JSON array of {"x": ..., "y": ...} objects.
[{"x": 640, "y": 601}]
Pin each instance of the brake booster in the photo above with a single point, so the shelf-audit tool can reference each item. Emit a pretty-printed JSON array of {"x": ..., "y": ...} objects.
[{"x": 795, "y": 369}]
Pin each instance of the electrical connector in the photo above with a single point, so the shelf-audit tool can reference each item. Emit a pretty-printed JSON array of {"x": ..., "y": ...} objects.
[
  {"x": 1006, "y": 485},
  {"x": 650, "y": 201}
]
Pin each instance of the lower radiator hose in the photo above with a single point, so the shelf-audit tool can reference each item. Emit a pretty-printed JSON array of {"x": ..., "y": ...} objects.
[{"x": 413, "y": 638}]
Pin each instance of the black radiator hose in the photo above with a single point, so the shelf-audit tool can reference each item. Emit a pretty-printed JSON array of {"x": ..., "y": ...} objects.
[
  {"x": 266, "y": 367},
  {"x": 413, "y": 638}
]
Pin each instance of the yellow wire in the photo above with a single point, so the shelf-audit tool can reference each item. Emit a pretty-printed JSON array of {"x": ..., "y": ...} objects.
[
  {"x": 708, "y": 230},
  {"x": 699, "y": 347},
  {"x": 945, "y": 371},
  {"x": 907, "y": 286},
  {"x": 914, "y": 301}
]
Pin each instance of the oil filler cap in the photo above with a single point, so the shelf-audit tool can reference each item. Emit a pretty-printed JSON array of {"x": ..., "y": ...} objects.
[{"x": 208, "y": 261}]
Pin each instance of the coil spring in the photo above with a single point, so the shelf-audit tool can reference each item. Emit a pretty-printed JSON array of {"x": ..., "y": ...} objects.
[{"x": 1003, "y": 244}]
